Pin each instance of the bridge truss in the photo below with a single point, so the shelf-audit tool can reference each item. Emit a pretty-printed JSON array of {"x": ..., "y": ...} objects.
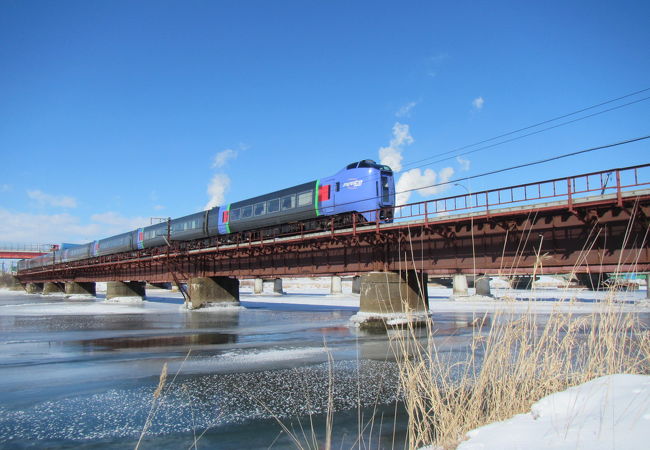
[{"x": 589, "y": 223}]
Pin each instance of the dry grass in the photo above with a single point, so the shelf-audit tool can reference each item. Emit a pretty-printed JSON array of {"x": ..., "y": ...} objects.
[{"x": 512, "y": 360}]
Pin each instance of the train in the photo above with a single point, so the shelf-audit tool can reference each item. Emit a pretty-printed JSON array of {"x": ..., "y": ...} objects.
[{"x": 363, "y": 188}]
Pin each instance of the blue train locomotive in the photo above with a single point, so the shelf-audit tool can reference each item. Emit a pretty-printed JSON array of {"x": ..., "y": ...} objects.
[{"x": 364, "y": 188}]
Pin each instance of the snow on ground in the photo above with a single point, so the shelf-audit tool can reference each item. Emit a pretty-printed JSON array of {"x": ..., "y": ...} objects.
[
  {"x": 606, "y": 413},
  {"x": 342, "y": 300},
  {"x": 35, "y": 304},
  {"x": 314, "y": 292}
]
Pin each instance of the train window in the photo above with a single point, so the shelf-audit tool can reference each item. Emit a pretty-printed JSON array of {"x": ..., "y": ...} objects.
[
  {"x": 288, "y": 202},
  {"x": 338, "y": 186},
  {"x": 273, "y": 205},
  {"x": 260, "y": 208},
  {"x": 234, "y": 214},
  {"x": 352, "y": 166},
  {"x": 246, "y": 211},
  {"x": 385, "y": 190},
  {"x": 304, "y": 198}
]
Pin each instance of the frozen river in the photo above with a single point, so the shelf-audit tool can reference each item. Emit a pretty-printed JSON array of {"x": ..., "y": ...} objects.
[{"x": 83, "y": 372}]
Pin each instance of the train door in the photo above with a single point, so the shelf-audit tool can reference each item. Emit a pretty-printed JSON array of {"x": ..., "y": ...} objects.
[{"x": 326, "y": 196}]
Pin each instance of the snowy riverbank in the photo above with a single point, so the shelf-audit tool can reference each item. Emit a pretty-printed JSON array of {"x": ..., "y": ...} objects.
[{"x": 609, "y": 412}]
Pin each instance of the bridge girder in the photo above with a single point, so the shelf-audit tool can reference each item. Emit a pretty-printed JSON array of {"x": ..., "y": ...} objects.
[{"x": 605, "y": 236}]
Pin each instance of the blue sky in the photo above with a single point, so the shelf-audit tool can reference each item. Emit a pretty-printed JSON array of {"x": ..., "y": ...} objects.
[{"x": 113, "y": 112}]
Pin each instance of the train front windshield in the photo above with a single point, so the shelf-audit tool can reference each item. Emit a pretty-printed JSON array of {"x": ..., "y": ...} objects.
[{"x": 385, "y": 190}]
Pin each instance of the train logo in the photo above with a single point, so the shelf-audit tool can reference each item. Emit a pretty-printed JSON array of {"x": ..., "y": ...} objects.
[{"x": 353, "y": 184}]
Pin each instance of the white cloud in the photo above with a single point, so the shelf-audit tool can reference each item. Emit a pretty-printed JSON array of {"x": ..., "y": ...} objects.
[
  {"x": 464, "y": 163},
  {"x": 217, "y": 188},
  {"x": 44, "y": 199},
  {"x": 221, "y": 158},
  {"x": 45, "y": 228},
  {"x": 56, "y": 228},
  {"x": 405, "y": 110},
  {"x": 392, "y": 155},
  {"x": 415, "y": 180},
  {"x": 119, "y": 222},
  {"x": 477, "y": 103}
]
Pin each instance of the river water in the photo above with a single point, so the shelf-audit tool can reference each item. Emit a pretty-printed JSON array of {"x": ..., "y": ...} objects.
[{"x": 82, "y": 373}]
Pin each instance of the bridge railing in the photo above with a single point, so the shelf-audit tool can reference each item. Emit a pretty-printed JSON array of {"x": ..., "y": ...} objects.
[
  {"x": 569, "y": 190},
  {"x": 22, "y": 247}
]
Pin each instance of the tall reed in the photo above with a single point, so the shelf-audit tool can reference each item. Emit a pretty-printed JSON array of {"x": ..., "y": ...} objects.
[{"x": 513, "y": 359}]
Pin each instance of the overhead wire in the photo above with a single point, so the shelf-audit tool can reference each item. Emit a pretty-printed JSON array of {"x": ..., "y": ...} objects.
[
  {"x": 506, "y": 169},
  {"x": 533, "y": 163},
  {"x": 510, "y": 133},
  {"x": 525, "y": 135}
]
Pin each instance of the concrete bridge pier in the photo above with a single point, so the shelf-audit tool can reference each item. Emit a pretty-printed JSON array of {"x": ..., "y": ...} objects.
[
  {"x": 482, "y": 285},
  {"x": 258, "y": 287},
  {"x": 53, "y": 288},
  {"x": 522, "y": 282},
  {"x": 125, "y": 289},
  {"x": 77, "y": 288},
  {"x": 336, "y": 286},
  {"x": 277, "y": 286},
  {"x": 205, "y": 290},
  {"x": 460, "y": 288},
  {"x": 356, "y": 284},
  {"x": 34, "y": 288},
  {"x": 392, "y": 296},
  {"x": 592, "y": 281}
]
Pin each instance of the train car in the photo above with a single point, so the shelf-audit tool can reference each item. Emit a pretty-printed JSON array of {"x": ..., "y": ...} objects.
[
  {"x": 152, "y": 236},
  {"x": 76, "y": 252},
  {"x": 192, "y": 226},
  {"x": 39, "y": 261},
  {"x": 363, "y": 187},
  {"x": 115, "y": 244}
]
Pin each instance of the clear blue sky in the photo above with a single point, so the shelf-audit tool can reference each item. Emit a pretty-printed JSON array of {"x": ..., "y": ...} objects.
[{"x": 112, "y": 112}]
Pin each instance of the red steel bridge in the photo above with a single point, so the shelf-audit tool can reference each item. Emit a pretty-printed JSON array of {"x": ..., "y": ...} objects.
[
  {"x": 590, "y": 223},
  {"x": 24, "y": 251}
]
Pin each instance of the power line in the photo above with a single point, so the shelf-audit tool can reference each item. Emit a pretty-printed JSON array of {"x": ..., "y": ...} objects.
[
  {"x": 527, "y": 128},
  {"x": 519, "y": 166}
]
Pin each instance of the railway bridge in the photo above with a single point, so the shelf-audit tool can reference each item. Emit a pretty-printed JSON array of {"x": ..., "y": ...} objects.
[
  {"x": 23, "y": 251},
  {"x": 586, "y": 224}
]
